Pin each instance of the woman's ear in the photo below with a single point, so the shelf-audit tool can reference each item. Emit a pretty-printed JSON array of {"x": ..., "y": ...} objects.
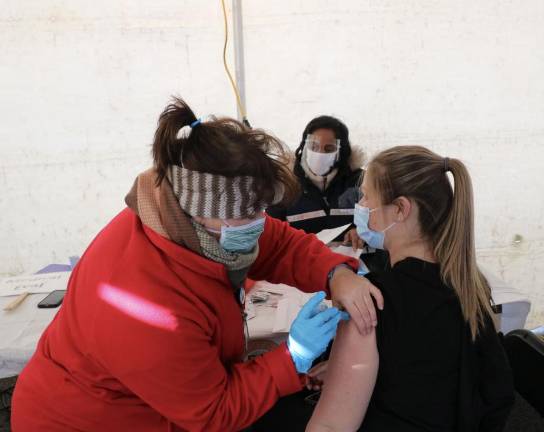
[{"x": 404, "y": 208}]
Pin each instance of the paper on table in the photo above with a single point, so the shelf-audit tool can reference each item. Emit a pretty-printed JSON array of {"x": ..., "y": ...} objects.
[
  {"x": 249, "y": 311},
  {"x": 286, "y": 313},
  {"x": 328, "y": 235},
  {"x": 288, "y": 309},
  {"x": 33, "y": 284},
  {"x": 347, "y": 250}
]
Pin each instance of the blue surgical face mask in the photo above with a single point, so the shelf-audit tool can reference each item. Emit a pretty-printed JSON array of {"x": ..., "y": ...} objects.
[
  {"x": 372, "y": 238},
  {"x": 242, "y": 238}
]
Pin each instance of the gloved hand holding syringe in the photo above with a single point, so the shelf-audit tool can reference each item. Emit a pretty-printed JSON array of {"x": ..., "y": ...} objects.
[{"x": 312, "y": 331}]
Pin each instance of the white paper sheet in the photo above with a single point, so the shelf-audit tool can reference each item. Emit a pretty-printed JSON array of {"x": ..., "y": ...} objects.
[
  {"x": 288, "y": 309},
  {"x": 347, "y": 250},
  {"x": 34, "y": 284},
  {"x": 328, "y": 235}
]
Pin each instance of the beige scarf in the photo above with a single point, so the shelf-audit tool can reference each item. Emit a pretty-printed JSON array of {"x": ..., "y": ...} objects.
[{"x": 159, "y": 209}]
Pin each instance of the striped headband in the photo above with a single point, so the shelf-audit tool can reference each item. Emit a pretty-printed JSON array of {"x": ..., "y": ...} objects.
[{"x": 215, "y": 196}]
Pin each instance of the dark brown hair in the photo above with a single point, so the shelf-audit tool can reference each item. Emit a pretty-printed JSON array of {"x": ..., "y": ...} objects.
[
  {"x": 226, "y": 147},
  {"x": 446, "y": 218},
  {"x": 341, "y": 132}
]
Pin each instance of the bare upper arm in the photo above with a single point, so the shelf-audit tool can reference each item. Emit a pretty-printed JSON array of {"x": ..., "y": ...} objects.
[{"x": 351, "y": 375}]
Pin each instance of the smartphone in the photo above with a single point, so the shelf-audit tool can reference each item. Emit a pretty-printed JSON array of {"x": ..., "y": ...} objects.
[{"x": 53, "y": 299}]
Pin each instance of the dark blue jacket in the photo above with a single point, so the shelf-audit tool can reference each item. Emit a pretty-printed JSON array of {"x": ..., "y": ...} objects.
[{"x": 315, "y": 210}]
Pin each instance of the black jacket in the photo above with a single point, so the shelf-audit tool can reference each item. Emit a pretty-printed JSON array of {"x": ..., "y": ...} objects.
[
  {"x": 315, "y": 210},
  {"x": 432, "y": 377}
]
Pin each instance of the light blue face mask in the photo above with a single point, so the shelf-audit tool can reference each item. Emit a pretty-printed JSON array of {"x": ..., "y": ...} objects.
[
  {"x": 242, "y": 238},
  {"x": 372, "y": 238}
]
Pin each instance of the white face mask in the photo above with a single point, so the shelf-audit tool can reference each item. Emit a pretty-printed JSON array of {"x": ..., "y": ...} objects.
[{"x": 320, "y": 163}]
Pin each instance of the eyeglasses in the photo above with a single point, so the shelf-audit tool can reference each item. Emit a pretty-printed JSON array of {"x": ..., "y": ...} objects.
[{"x": 314, "y": 144}]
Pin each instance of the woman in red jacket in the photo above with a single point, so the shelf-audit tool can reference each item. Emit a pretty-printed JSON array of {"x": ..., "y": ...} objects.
[{"x": 150, "y": 336}]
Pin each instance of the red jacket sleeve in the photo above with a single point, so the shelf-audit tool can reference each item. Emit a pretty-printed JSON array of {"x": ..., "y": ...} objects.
[
  {"x": 292, "y": 257},
  {"x": 179, "y": 373}
]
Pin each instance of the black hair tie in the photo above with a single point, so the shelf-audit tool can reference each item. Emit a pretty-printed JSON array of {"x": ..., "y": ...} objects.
[{"x": 446, "y": 164}]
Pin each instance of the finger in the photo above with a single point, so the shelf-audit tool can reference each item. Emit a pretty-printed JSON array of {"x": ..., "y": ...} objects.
[
  {"x": 354, "y": 239},
  {"x": 325, "y": 316},
  {"x": 360, "y": 243},
  {"x": 363, "y": 308},
  {"x": 344, "y": 316},
  {"x": 331, "y": 325},
  {"x": 317, "y": 385},
  {"x": 317, "y": 369},
  {"x": 371, "y": 309},
  {"x": 319, "y": 381},
  {"x": 323, "y": 366},
  {"x": 318, "y": 378},
  {"x": 308, "y": 309},
  {"x": 330, "y": 334},
  {"x": 347, "y": 238},
  {"x": 349, "y": 235},
  {"x": 356, "y": 316},
  {"x": 313, "y": 380},
  {"x": 377, "y": 294}
]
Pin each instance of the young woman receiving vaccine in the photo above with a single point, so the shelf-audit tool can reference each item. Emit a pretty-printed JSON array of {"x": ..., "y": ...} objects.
[
  {"x": 440, "y": 366},
  {"x": 150, "y": 336}
]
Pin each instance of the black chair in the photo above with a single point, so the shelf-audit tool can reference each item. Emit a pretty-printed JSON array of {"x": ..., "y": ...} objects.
[{"x": 525, "y": 352}]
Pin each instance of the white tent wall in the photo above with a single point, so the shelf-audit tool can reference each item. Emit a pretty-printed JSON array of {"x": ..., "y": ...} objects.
[{"x": 82, "y": 85}]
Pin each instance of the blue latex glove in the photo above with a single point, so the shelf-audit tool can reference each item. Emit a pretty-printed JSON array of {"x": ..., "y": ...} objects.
[{"x": 312, "y": 331}]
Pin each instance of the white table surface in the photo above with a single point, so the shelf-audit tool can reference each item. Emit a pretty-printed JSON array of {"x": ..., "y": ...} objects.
[
  {"x": 515, "y": 304},
  {"x": 262, "y": 316},
  {"x": 21, "y": 328}
]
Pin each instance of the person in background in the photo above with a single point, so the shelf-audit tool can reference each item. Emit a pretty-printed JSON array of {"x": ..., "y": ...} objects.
[
  {"x": 328, "y": 170},
  {"x": 150, "y": 336},
  {"x": 441, "y": 366}
]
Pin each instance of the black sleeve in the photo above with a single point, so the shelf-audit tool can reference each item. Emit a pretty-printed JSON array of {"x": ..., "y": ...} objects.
[
  {"x": 387, "y": 328},
  {"x": 496, "y": 382},
  {"x": 486, "y": 387}
]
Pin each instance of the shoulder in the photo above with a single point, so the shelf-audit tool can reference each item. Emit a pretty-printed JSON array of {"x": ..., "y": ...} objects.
[
  {"x": 417, "y": 286},
  {"x": 389, "y": 284}
]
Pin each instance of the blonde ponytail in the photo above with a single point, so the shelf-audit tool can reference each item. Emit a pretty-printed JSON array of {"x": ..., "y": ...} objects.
[
  {"x": 456, "y": 253},
  {"x": 446, "y": 218}
]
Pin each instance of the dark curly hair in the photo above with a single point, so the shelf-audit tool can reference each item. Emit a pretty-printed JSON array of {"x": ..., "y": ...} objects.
[
  {"x": 226, "y": 147},
  {"x": 340, "y": 131}
]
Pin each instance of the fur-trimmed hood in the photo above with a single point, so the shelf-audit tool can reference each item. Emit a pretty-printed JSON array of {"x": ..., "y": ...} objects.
[{"x": 357, "y": 158}]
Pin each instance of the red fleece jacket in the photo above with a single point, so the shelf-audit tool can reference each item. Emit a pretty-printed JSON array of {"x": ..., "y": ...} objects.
[{"x": 150, "y": 337}]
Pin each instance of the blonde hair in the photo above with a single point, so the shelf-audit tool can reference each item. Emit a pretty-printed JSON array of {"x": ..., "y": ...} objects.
[{"x": 446, "y": 218}]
